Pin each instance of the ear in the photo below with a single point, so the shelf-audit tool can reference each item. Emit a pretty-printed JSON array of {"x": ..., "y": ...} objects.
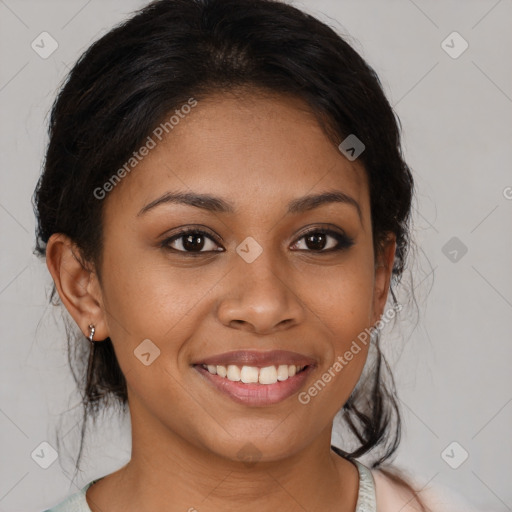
[
  {"x": 385, "y": 257},
  {"x": 77, "y": 285}
]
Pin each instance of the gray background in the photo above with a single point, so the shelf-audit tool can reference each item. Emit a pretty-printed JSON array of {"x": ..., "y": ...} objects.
[{"x": 452, "y": 369}]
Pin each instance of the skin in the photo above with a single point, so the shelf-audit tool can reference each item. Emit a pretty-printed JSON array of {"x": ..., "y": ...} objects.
[{"x": 258, "y": 153}]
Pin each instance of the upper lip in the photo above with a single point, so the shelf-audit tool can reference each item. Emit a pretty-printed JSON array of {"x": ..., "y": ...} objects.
[{"x": 258, "y": 358}]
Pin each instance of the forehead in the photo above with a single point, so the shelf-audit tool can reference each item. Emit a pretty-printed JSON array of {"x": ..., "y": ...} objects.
[{"x": 257, "y": 151}]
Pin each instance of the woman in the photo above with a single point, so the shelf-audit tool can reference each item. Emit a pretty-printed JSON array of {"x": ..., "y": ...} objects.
[{"x": 224, "y": 211}]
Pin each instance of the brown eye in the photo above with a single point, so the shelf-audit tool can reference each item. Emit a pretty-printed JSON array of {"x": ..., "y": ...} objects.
[
  {"x": 316, "y": 241},
  {"x": 325, "y": 241},
  {"x": 191, "y": 241}
]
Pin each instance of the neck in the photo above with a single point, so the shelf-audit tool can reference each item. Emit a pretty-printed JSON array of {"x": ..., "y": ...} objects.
[{"x": 168, "y": 473}]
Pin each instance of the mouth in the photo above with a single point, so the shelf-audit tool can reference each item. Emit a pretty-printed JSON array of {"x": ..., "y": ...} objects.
[
  {"x": 256, "y": 378},
  {"x": 265, "y": 376}
]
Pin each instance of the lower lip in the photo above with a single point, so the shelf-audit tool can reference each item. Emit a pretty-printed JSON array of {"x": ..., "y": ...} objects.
[{"x": 257, "y": 394}]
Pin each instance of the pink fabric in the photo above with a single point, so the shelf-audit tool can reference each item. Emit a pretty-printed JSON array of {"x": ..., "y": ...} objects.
[{"x": 392, "y": 498}]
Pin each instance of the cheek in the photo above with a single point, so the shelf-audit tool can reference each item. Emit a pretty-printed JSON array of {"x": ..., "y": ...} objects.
[
  {"x": 342, "y": 296},
  {"x": 345, "y": 313},
  {"x": 342, "y": 302},
  {"x": 344, "y": 310},
  {"x": 147, "y": 293},
  {"x": 148, "y": 298}
]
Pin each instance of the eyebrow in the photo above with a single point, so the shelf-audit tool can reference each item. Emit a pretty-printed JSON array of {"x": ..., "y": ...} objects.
[{"x": 218, "y": 205}]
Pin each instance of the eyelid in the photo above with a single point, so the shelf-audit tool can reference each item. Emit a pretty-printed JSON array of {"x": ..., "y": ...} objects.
[
  {"x": 185, "y": 230},
  {"x": 323, "y": 228}
]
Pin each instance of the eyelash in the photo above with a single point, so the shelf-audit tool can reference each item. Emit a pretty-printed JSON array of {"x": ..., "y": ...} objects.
[{"x": 343, "y": 241}]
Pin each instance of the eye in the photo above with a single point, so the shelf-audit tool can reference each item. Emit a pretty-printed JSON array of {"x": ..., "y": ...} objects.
[
  {"x": 196, "y": 241},
  {"x": 191, "y": 241},
  {"x": 324, "y": 240}
]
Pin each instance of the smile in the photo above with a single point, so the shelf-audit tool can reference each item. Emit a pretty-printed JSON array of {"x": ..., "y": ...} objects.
[{"x": 253, "y": 374}]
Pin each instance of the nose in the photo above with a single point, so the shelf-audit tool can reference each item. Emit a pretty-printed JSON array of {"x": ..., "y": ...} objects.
[{"x": 259, "y": 297}]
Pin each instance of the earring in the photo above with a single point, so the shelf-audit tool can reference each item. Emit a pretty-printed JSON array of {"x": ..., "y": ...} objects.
[{"x": 91, "y": 335}]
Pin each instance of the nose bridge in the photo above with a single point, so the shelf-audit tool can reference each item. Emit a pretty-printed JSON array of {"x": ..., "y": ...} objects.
[{"x": 258, "y": 296}]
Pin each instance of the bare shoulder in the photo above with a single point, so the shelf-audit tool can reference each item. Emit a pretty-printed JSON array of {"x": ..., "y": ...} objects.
[{"x": 392, "y": 495}]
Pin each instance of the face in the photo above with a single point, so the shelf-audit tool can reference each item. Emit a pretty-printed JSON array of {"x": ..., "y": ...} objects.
[{"x": 263, "y": 278}]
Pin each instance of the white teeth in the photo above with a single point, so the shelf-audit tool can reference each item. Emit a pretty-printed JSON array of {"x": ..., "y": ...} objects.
[
  {"x": 233, "y": 373},
  {"x": 268, "y": 375},
  {"x": 282, "y": 372},
  {"x": 253, "y": 374},
  {"x": 249, "y": 374}
]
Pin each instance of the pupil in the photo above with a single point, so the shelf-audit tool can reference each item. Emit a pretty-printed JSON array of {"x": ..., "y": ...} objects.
[
  {"x": 189, "y": 245},
  {"x": 318, "y": 241}
]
